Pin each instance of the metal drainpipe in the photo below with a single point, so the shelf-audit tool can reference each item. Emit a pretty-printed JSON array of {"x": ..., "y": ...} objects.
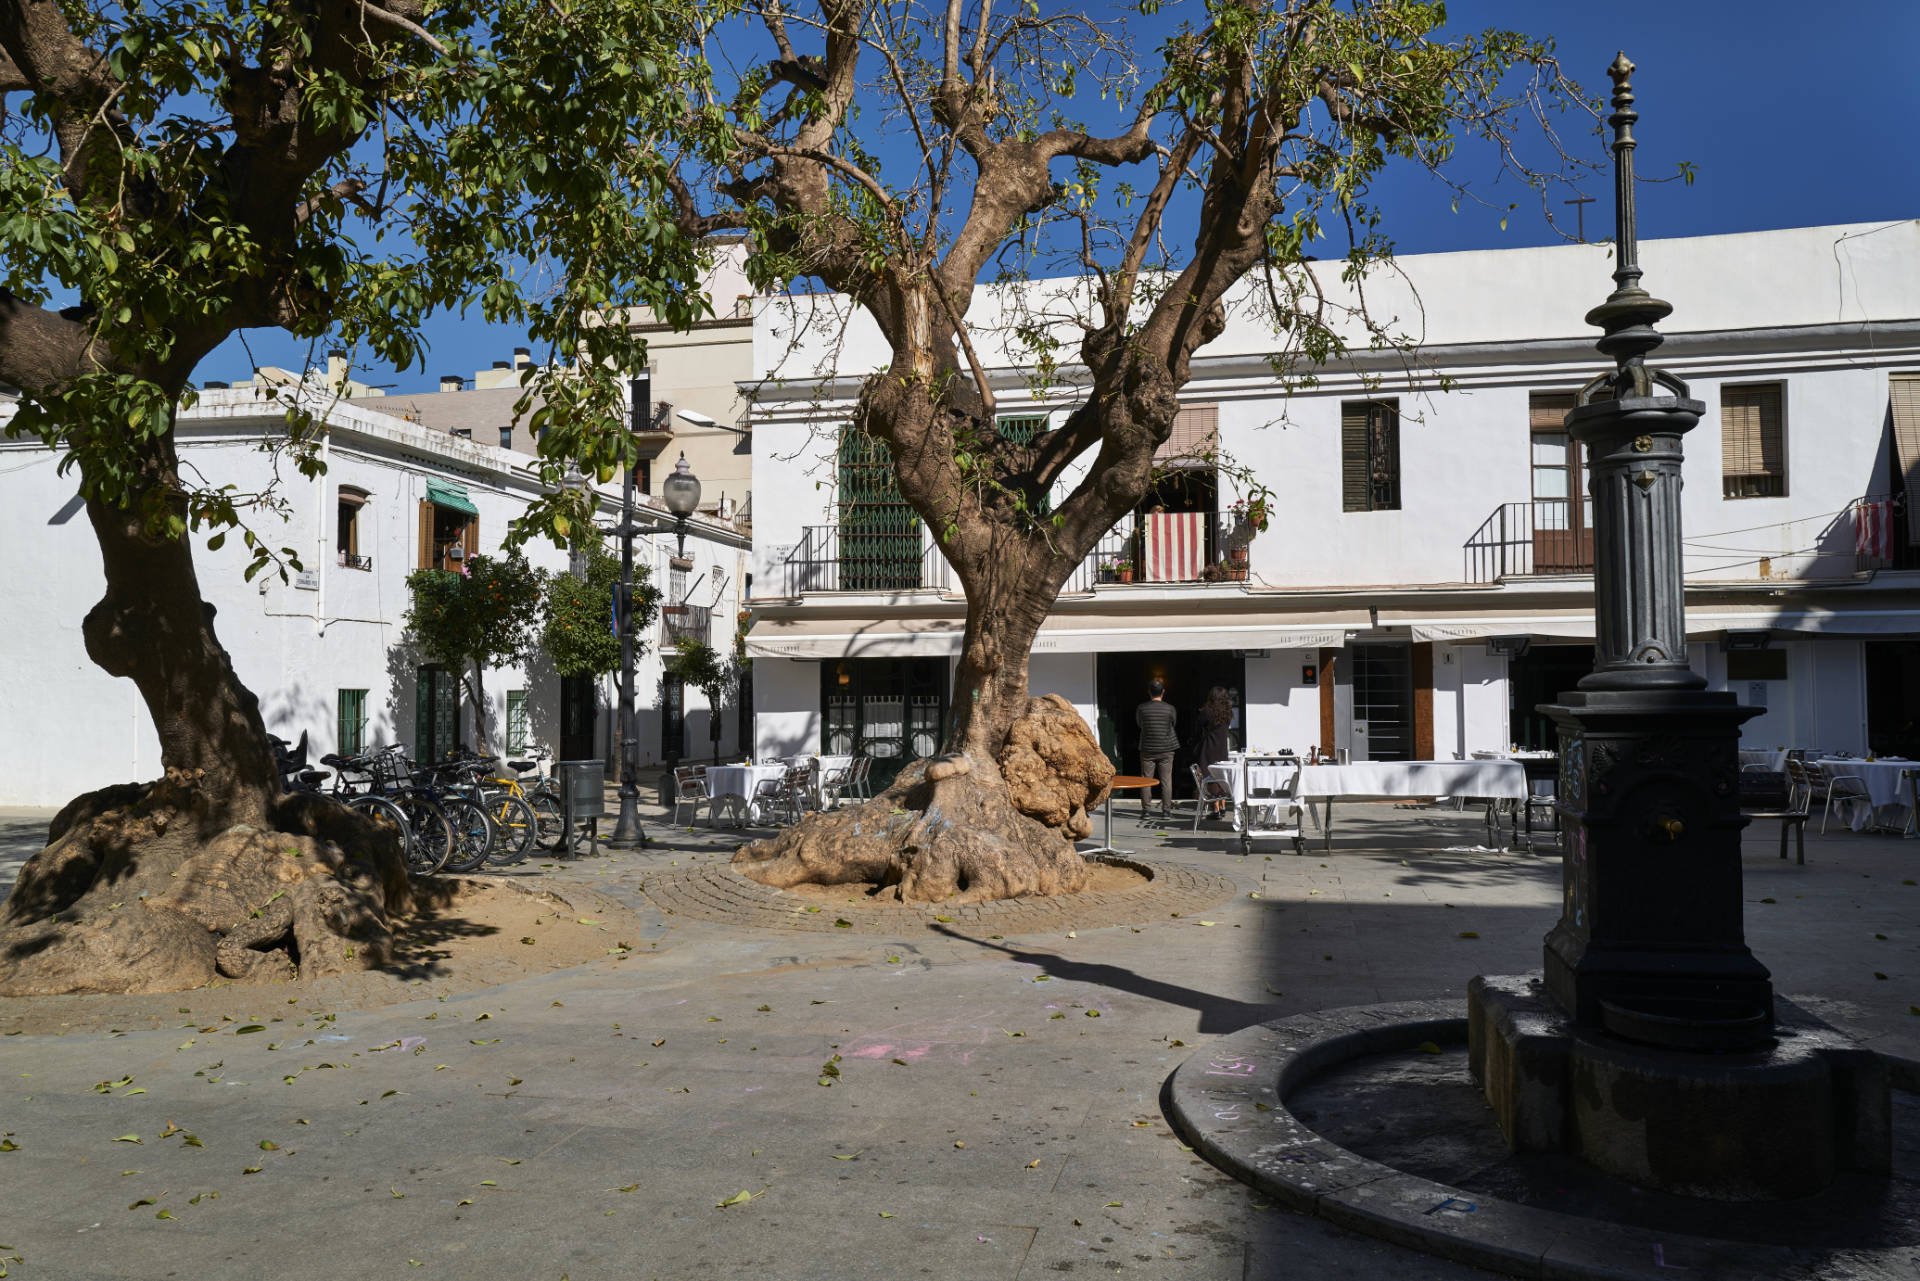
[{"x": 320, "y": 518}]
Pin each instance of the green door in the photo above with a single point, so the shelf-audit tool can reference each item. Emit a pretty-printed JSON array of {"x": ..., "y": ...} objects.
[
  {"x": 436, "y": 713},
  {"x": 892, "y": 709}
]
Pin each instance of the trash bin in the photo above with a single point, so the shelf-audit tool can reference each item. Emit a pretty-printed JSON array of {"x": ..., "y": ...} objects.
[{"x": 583, "y": 799}]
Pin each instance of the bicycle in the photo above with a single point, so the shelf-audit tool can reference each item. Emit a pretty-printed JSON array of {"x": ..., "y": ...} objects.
[
  {"x": 473, "y": 830},
  {"x": 516, "y": 822},
  {"x": 297, "y": 778},
  {"x": 429, "y": 831}
]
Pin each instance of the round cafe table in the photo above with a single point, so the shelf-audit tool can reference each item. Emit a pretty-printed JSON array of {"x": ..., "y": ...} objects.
[{"x": 1127, "y": 782}]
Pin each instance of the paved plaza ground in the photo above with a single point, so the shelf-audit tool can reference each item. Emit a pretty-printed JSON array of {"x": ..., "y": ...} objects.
[{"x": 892, "y": 1100}]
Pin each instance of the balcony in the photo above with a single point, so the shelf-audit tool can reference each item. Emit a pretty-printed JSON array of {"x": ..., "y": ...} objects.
[
  {"x": 1878, "y": 523},
  {"x": 347, "y": 560},
  {"x": 1545, "y": 536},
  {"x": 685, "y": 622},
  {"x": 1208, "y": 550}
]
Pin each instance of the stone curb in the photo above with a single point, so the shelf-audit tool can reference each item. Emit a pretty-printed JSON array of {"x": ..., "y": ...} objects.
[
  {"x": 715, "y": 892},
  {"x": 1228, "y": 1101}
]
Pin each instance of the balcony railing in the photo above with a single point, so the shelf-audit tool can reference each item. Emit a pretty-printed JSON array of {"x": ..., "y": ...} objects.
[
  {"x": 1878, "y": 525},
  {"x": 825, "y": 560},
  {"x": 1545, "y": 536},
  {"x": 828, "y": 559},
  {"x": 685, "y": 622},
  {"x": 347, "y": 560}
]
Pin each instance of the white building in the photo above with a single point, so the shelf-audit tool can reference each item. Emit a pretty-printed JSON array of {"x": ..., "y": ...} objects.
[
  {"x": 326, "y": 652},
  {"x": 1425, "y": 581}
]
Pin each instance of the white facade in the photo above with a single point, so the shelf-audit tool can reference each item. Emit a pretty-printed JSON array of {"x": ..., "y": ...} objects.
[
  {"x": 1826, "y": 315},
  {"x": 298, "y": 644}
]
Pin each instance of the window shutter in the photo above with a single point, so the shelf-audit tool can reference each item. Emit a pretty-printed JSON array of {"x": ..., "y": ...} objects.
[
  {"x": 1547, "y": 410},
  {"x": 1353, "y": 456},
  {"x": 426, "y": 535},
  {"x": 470, "y": 536},
  {"x": 1194, "y": 439},
  {"x": 1904, "y": 407},
  {"x": 1753, "y": 456}
]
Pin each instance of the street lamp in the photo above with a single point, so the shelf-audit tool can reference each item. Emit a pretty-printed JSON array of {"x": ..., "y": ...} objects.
[
  {"x": 681, "y": 493},
  {"x": 626, "y": 829}
]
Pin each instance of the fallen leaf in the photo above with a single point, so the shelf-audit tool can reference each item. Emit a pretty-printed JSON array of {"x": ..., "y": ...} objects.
[
  {"x": 959, "y": 1145},
  {"x": 145, "y": 1200},
  {"x": 1114, "y": 1205},
  {"x": 1465, "y": 934},
  {"x": 252, "y": 1169},
  {"x": 128, "y": 1138},
  {"x": 1877, "y": 974},
  {"x": 885, "y": 1215},
  {"x": 523, "y": 940},
  {"x": 949, "y": 921},
  {"x": 251, "y": 1027},
  {"x": 164, "y": 1214},
  {"x": 1427, "y": 1047},
  {"x": 739, "y": 1198},
  {"x": 1093, "y": 1014},
  {"x": 1176, "y": 1042},
  {"x": 842, "y": 924},
  {"x": 1206, "y": 922},
  {"x": 1034, "y": 1164},
  {"x": 268, "y": 1145},
  {"x": 492, "y": 1040}
]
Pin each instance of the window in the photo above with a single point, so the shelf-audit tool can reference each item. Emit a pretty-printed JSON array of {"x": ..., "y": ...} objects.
[
  {"x": 516, "y": 720},
  {"x": 448, "y": 520},
  {"x": 351, "y": 734},
  {"x": 879, "y": 533},
  {"x": 1370, "y": 455},
  {"x": 1756, "y": 665},
  {"x": 346, "y": 550},
  {"x": 1753, "y": 452}
]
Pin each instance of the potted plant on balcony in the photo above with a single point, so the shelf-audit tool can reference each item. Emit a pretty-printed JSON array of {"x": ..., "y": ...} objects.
[{"x": 1123, "y": 568}]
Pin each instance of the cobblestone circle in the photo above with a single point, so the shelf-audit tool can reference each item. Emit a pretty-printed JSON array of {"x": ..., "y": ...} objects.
[{"x": 718, "y": 893}]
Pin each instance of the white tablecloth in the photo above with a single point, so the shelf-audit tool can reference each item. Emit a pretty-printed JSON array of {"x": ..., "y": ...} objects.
[
  {"x": 1882, "y": 780},
  {"x": 1272, "y": 778},
  {"x": 740, "y": 780},
  {"x": 1384, "y": 780},
  {"x": 1774, "y": 759}
]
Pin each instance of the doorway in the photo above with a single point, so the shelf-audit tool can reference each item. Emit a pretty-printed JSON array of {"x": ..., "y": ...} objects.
[
  {"x": 1893, "y": 698},
  {"x": 436, "y": 713},
  {"x": 1539, "y": 676},
  {"x": 1121, "y": 685},
  {"x": 1382, "y": 702},
  {"x": 891, "y": 709},
  {"x": 579, "y": 708}
]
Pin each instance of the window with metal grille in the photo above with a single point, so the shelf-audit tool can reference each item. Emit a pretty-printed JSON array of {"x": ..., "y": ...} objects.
[
  {"x": 516, "y": 720},
  {"x": 880, "y": 543},
  {"x": 351, "y": 733},
  {"x": 1370, "y": 455},
  {"x": 1753, "y": 445}
]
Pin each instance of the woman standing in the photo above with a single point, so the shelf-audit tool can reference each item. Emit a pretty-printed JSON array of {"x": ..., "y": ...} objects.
[{"x": 1215, "y": 719}]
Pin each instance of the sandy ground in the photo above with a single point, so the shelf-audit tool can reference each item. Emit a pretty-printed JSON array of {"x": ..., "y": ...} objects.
[
  {"x": 487, "y": 933},
  {"x": 1103, "y": 878}
]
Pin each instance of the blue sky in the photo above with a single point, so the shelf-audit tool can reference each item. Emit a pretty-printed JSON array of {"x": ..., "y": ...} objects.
[{"x": 1792, "y": 114}]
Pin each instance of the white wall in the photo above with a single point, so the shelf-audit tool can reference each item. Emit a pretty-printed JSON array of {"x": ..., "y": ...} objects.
[
  {"x": 1073, "y": 677},
  {"x": 1282, "y": 713},
  {"x": 1484, "y": 723},
  {"x": 786, "y": 705}
]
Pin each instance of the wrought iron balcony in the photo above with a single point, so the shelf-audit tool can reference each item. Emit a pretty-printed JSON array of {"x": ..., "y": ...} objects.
[
  {"x": 347, "y": 560},
  {"x": 1545, "y": 536},
  {"x": 685, "y": 622},
  {"x": 827, "y": 559}
]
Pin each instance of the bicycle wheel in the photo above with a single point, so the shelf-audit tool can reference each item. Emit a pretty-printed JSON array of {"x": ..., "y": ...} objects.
[
  {"x": 473, "y": 834},
  {"x": 546, "y": 808},
  {"x": 432, "y": 843},
  {"x": 516, "y": 828},
  {"x": 382, "y": 810}
]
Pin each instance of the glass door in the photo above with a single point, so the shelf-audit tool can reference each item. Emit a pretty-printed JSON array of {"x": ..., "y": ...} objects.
[{"x": 892, "y": 709}]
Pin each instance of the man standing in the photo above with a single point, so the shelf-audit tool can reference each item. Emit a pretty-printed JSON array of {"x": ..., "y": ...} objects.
[{"x": 1159, "y": 740}]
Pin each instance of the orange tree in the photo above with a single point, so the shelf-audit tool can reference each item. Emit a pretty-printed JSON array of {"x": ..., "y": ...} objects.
[{"x": 486, "y": 616}]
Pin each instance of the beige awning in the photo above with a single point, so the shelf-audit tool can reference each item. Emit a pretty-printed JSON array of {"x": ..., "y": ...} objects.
[
  {"x": 1061, "y": 634},
  {"x": 1577, "y": 624}
]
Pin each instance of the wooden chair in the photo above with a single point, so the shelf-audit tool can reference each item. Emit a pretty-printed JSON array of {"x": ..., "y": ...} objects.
[
  {"x": 690, "y": 789},
  {"x": 1787, "y": 797}
]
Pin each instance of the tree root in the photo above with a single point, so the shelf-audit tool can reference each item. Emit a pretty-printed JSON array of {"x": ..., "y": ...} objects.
[
  {"x": 956, "y": 838},
  {"x": 145, "y": 890}
]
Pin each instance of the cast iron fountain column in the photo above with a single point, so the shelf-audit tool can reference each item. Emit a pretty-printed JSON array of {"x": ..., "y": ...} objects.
[{"x": 1650, "y": 942}]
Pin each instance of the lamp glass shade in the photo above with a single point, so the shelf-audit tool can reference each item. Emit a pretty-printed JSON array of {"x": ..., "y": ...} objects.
[{"x": 681, "y": 491}]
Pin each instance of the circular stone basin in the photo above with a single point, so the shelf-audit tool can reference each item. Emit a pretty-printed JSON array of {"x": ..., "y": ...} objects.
[
  {"x": 1105, "y": 876},
  {"x": 1680, "y": 1024},
  {"x": 1367, "y": 1117}
]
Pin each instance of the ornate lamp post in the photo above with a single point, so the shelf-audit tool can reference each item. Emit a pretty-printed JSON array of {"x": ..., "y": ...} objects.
[
  {"x": 681, "y": 494},
  {"x": 627, "y": 831}
]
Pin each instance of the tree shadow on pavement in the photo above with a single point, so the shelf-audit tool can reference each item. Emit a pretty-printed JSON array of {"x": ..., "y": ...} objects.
[{"x": 1217, "y": 1013}]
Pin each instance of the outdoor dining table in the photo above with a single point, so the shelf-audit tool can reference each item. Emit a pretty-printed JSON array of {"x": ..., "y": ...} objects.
[
  {"x": 1498, "y": 780},
  {"x": 1774, "y": 758},
  {"x": 739, "y": 783},
  {"x": 1881, "y": 777},
  {"x": 1121, "y": 782}
]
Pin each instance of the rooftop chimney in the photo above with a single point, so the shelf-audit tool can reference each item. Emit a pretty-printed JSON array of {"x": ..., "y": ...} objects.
[
  {"x": 336, "y": 368},
  {"x": 452, "y": 382},
  {"x": 522, "y": 357},
  {"x": 211, "y": 385},
  {"x": 501, "y": 364}
]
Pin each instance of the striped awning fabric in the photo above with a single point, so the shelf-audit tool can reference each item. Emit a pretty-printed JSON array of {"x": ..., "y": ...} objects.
[
  {"x": 1176, "y": 546},
  {"x": 451, "y": 495}
]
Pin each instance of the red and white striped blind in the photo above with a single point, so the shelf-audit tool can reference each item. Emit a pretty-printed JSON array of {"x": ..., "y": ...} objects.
[{"x": 1176, "y": 546}]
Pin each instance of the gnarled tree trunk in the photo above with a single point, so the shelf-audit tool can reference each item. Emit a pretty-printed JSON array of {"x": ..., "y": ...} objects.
[{"x": 211, "y": 870}]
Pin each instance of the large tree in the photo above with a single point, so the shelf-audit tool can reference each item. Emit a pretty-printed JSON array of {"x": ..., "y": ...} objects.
[
  {"x": 175, "y": 171},
  {"x": 913, "y": 157}
]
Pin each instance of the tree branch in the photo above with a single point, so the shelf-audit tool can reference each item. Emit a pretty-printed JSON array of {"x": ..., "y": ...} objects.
[{"x": 407, "y": 25}]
